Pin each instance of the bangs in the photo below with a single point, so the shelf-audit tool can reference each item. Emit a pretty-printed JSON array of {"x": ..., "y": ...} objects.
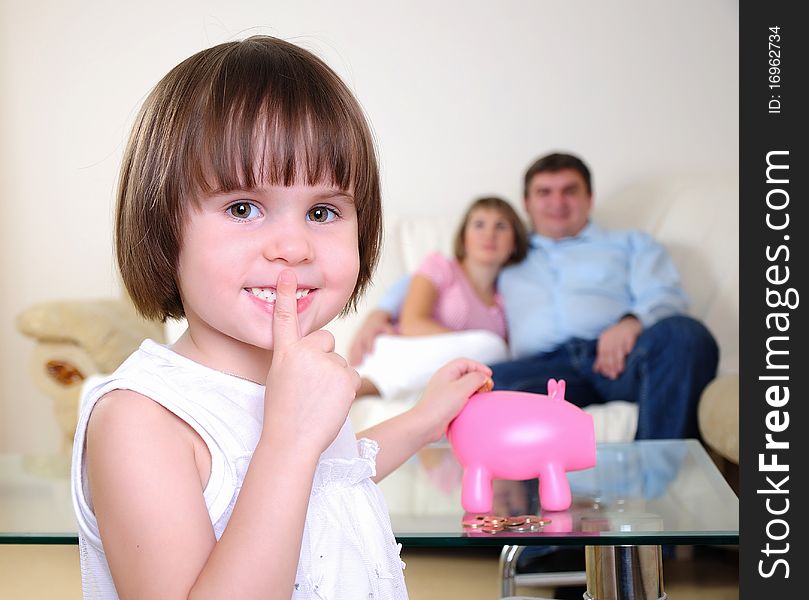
[{"x": 269, "y": 118}]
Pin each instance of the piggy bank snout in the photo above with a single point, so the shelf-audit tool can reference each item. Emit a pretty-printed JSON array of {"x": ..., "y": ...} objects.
[{"x": 580, "y": 450}]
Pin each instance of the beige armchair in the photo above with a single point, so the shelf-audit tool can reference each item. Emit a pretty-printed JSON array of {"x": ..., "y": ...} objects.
[{"x": 76, "y": 340}]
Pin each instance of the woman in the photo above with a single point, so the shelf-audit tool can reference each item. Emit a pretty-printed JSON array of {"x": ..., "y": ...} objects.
[{"x": 454, "y": 301}]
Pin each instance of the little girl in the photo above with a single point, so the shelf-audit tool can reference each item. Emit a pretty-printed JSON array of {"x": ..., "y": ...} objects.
[{"x": 225, "y": 466}]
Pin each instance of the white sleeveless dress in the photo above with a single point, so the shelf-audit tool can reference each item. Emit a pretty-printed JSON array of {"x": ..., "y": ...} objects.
[{"x": 348, "y": 550}]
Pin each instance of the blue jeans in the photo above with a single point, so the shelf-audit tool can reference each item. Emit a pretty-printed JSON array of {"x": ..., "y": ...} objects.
[{"x": 670, "y": 365}]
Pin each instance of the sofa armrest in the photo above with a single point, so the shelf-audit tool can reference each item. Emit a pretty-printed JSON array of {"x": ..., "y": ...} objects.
[
  {"x": 77, "y": 339},
  {"x": 108, "y": 330},
  {"x": 718, "y": 416}
]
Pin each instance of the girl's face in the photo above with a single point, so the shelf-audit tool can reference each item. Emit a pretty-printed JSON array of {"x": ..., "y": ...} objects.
[
  {"x": 488, "y": 237},
  {"x": 235, "y": 245}
]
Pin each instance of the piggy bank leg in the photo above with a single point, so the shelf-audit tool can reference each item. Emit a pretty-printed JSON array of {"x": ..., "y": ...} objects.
[
  {"x": 476, "y": 490},
  {"x": 554, "y": 489}
]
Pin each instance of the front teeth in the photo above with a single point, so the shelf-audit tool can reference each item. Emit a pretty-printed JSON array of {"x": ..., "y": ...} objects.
[{"x": 268, "y": 294}]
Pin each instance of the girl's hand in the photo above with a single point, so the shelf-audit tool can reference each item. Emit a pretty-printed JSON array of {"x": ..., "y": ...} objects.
[
  {"x": 447, "y": 392},
  {"x": 310, "y": 388},
  {"x": 445, "y": 395}
]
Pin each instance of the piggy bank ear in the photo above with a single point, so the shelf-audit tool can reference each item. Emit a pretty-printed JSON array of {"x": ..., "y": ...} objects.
[{"x": 556, "y": 389}]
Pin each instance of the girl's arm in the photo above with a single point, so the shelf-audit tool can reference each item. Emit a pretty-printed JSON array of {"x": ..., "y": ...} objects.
[
  {"x": 445, "y": 395},
  {"x": 417, "y": 310},
  {"x": 146, "y": 486}
]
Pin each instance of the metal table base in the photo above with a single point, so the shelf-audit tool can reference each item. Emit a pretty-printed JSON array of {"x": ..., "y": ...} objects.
[{"x": 612, "y": 573}]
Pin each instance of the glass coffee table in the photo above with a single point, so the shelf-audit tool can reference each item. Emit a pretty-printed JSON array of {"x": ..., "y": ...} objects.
[{"x": 640, "y": 495}]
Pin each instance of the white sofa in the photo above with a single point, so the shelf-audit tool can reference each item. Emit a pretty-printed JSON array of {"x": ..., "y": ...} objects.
[{"x": 695, "y": 217}]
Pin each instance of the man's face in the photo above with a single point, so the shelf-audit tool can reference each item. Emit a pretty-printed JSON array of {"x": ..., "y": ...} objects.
[{"x": 558, "y": 203}]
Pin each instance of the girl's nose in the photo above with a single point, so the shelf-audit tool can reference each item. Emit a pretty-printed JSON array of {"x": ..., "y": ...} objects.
[{"x": 289, "y": 243}]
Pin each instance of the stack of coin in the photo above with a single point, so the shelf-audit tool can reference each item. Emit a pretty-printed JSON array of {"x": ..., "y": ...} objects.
[{"x": 496, "y": 524}]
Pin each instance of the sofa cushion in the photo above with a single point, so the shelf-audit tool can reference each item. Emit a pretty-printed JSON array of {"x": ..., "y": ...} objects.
[{"x": 696, "y": 216}]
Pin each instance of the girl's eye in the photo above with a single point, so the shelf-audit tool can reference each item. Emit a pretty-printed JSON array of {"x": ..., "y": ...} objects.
[
  {"x": 244, "y": 211},
  {"x": 321, "y": 214}
]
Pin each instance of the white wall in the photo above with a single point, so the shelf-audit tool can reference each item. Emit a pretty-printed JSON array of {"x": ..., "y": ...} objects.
[{"x": 462, "y": 96}]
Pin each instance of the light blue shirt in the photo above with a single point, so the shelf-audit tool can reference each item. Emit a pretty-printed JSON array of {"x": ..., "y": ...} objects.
[
  {"x": 578, "y": 286},
  {"x": 393, "y": 298}
]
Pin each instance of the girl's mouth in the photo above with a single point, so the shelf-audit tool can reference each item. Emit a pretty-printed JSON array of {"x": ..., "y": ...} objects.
[
  {"x": 265, "y": 298},
  {"x": 268, "y": 294}
]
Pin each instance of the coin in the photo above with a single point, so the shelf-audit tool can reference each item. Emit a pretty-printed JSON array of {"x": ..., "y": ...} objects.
[
  {"x": 535, "y": 520},
  {"x": 487, "y": 386},
  {"x": 492, "y": 528},
  {"x": 492, "y": 524},
  {"x": 473, "y": 522}
]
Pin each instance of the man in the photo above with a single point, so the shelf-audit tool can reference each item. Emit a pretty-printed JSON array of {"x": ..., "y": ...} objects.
[{"x": 602, "y": 310}]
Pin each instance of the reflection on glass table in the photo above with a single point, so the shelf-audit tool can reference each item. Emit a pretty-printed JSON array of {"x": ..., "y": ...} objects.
[
  {"x": 35, "y": 505},
  {"x": 650, "y": 492}
]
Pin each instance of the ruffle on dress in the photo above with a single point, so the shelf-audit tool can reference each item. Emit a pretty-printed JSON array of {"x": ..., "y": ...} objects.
[{"x": 346, "y": 472}]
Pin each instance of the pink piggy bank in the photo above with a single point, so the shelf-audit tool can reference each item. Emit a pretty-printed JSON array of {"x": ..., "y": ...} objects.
[{"x": 517, "y": 435}]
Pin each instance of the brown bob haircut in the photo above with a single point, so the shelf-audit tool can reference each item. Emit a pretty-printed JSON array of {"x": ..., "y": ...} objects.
[
  {"x": 505, "y": 209},
  {"x": 232, "y": 117},
  {"x": 556, "y": 162}
]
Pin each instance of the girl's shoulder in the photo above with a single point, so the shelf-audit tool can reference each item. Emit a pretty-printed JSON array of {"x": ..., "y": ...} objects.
[
  {"x": 158, "y": 372},
  {"x": 144, "y": 407},
  {"x": 128, "y": 421},
  {"x": 135, "y": 383},
  {"x": 156, "y": 384},
  {"x": 127, "y": 408}
]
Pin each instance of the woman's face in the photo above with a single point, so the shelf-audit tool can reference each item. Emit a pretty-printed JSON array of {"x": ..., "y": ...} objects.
[{"x": 488, "y": 237}]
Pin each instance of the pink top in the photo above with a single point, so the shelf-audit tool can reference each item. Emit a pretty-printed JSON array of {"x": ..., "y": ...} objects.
[{"x": 458, "y": 307}]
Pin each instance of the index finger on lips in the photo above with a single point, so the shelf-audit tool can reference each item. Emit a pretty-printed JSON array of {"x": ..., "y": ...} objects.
[{"x": 285, "y": 327}]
